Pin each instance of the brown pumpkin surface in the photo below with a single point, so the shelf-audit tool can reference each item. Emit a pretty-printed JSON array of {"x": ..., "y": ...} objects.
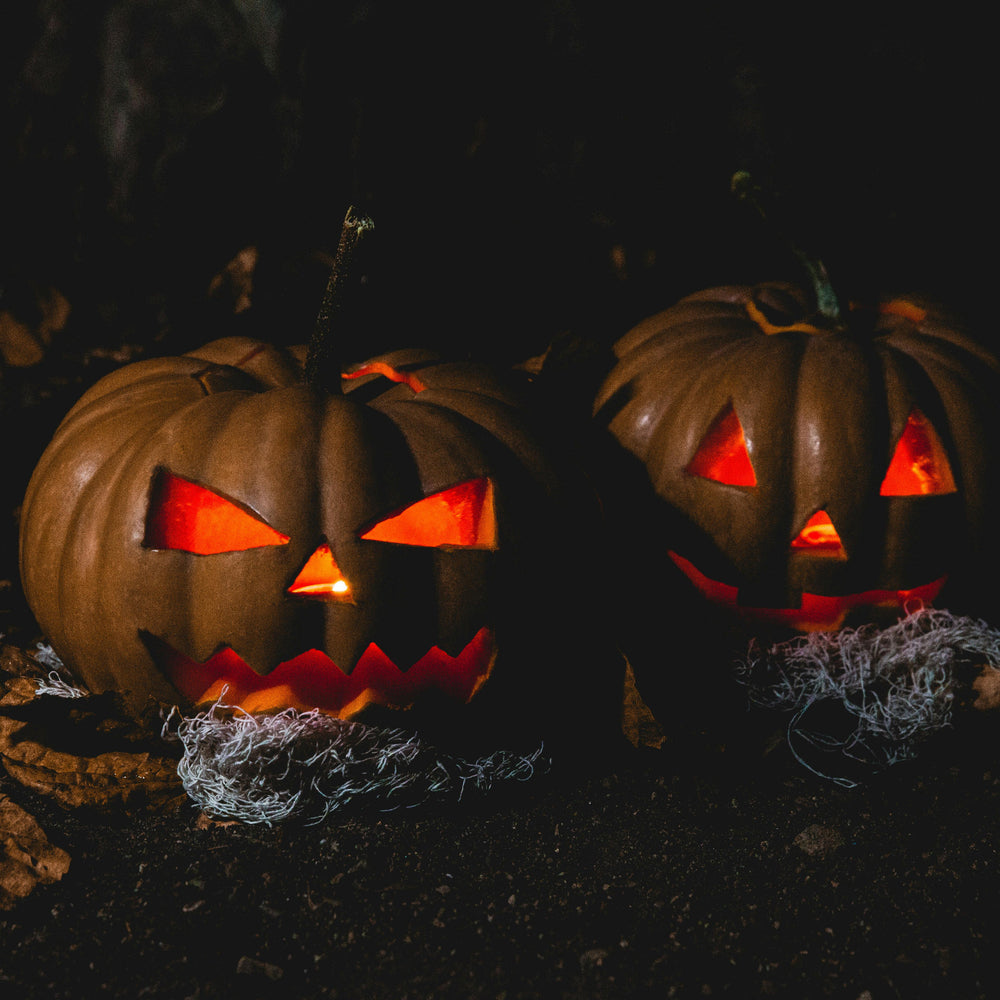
[
  {"x": 811, "y": 472},
  {"x": 311, "y": 594}
]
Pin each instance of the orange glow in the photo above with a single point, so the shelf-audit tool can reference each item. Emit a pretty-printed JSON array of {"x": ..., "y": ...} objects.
[
  {"x": 321, "y": 578},
  {"x": 722, "y": 455},
  {"x": 462, "y": 515},
  {"x": 919, "y": 465},
  {"x": 766, "y": 326},
  {"x": 394, "y": 374},
  {"x": 313, "y": 680},
  {"x": 185, "y": 516},
  {"x": 819, "y": 538},
  {"x": 900, "y": 307},
  {"x": 816, "y": 612}
]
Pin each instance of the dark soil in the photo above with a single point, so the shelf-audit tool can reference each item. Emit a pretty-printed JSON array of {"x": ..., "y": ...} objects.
[
  {"x": 641, "y": 879},
  {"x": 560, "y": 169}
]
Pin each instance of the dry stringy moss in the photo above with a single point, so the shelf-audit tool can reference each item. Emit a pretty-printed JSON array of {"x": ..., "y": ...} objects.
[
  {"x": 266, "y": 769},
  {"x": 894, "y": 686}
]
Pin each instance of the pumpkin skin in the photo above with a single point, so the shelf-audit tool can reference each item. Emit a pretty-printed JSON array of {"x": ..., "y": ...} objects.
[
  {"x": 749, "y": 420},
  {"x": 131, "y": 604}
]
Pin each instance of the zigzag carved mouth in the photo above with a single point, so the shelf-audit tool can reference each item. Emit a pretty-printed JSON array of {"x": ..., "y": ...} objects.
[{"x": 312, "y": 680}]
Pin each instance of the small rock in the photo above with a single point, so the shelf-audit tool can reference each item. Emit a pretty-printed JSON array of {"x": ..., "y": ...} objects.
[
  {"x": 593, "y": 958},
  {"x": 248, "y": 966},
  {"x": 817, "y": 839}
]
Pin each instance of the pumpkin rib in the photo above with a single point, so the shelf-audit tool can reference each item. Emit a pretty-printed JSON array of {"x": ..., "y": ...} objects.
[
  {"x": 494, "y": 417},
  {"x": 270, "y": 365},
  {"x": 721, "y": 383},
  {"x": 936, "y": 333},
  {"x": 79, "y": 558},
  {"x": 628, "y": 392},
  {"x": 837, "y": 405},
  {"x": 139, "y": 461},
  {"x": 240, "y": 445},
  {"x": 66, "y": 443},
  {"x": 941, "y": 355},
  {"x": 84, "y": 420},
  {"x": 694, "y": 328},
  {"x": 384, "y": 468}
]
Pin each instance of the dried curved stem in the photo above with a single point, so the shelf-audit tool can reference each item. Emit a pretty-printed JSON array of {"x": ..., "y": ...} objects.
[{"x": 322, "y": 368}]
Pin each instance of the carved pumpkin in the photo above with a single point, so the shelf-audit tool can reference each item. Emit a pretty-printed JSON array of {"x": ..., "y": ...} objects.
[
  {"x": 213, "y": 520},
  {"x": 807, "y": 471}
]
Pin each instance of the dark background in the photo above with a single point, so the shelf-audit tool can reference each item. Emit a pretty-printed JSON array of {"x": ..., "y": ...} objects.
[{"x": 534, "y": 169}]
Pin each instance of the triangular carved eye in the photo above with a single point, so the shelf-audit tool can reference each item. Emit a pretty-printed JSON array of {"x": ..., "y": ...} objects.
[
  {"x": 461, "y": 516},
  {"x": 722, "y": 455},
  {"x": 819, "y": 537},
  {"x": 919, "y": 465},
  {"x": 185, "y": 516}
]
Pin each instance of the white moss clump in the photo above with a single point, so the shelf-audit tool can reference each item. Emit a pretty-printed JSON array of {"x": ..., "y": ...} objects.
[
  {"x": 269, "y": 768},
  {"x": 896, "y": 686}
]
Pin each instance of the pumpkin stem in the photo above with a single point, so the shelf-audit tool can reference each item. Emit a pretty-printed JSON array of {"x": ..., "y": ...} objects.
[
  {"x": 322, "y": 368},
  {"x": 827, "y": 303}
]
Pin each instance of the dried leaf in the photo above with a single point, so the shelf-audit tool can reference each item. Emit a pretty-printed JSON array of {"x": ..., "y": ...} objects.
[
  {"x": 638, "y": 723},
  {"x": 27, "y": 858},
  {"x": 15, "y": 662},
  {"x": 987, "y": 689},
  {"x": 206, "y": 822},
  {"x": 106, "y": 781},
  {"x": 23, "y": 340},
  {"x": 234, "y": 283},
  {"x": 81, "y": 751}
]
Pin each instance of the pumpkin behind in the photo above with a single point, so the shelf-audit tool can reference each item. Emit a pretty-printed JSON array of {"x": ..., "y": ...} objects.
[{"x": 767, "y": 470}]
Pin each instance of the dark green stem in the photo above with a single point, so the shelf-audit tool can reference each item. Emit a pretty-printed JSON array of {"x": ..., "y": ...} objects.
[
  {"x": 827, "y": 303},
  {"x": 322, "y": 368}
]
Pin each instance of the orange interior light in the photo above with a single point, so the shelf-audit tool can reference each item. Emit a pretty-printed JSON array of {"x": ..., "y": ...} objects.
[
  {"x": 722, "y": 455},
  {"x": 321, "y": 578},
  {"x": 820, "y": 538},
  {"x": 919, "y": 465},
  {"x": 387, "y": 371},
  {"x": 462, "y": 515},
  {"x": 183, "y": 515}
]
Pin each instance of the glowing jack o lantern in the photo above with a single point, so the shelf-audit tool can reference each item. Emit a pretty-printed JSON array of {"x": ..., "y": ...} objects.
[
  {"x": 211, "y": 521},
  {"x": 811, "y": 470}
]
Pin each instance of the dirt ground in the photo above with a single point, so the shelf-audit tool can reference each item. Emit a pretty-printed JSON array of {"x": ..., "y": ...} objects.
[
  {"x": 177, "y": 172},
  {"x": 651, "y": 876}
]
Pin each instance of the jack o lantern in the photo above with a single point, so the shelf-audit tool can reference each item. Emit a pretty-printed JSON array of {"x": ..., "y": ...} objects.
[
  {"x": 401, "y": 539},
  {"x": 816, "y": 469}
]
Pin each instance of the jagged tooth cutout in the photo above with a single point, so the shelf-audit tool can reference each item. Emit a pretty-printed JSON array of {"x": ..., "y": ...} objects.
[{"x": 312, "y": 680}]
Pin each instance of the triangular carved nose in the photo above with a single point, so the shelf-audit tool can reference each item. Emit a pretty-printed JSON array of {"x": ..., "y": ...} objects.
[
  {"x": 320, "y": 578},
  {"x": 819, "y": 537}
]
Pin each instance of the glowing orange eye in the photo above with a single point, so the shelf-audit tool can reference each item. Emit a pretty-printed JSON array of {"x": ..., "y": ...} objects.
[
  {"x": 461, "y": 515},
  {"x": 183, "y": 515},
  {"x": 722, "y": 455},
  {"x": 919, "y": 465}
]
